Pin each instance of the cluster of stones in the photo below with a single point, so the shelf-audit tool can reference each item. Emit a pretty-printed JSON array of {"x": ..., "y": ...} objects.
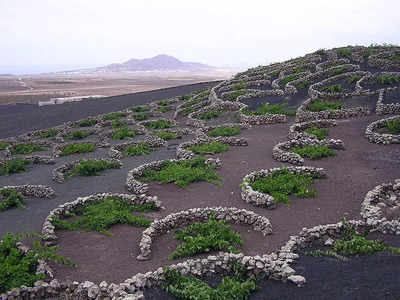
[
  {"x": 303, "y": 114},
  {"x": 281, "y": 151},
  {"x": 381, "y": 61},
  {"x": 382, "y": 138},
  {"x": 372, "y": 79},
  {"x": 31, "y": 190},
  {"x": 296, "y": 131},
  {"x": 116, "y": 151},
  {"x": 58, "y": 174},
  {"x": 381, "y": 206},
  {"x": 48, "y": 229},
  {"x": 315, "y": 89},
  {"x": 185, "y": 218},
  {"x": 261, "y": 119},
  {"x": 264, "y": 200},
  {"x": 182, "y": 151},
  {"x": 386, "y": 109},
  {"x": 133, "y": 183}
]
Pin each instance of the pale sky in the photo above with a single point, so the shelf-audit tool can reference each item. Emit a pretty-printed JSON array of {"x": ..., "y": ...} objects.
[{"x": 49, "y": 35}]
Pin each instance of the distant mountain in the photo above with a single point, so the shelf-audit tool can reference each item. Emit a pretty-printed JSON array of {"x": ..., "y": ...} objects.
[{"x": 157, "y": 63}]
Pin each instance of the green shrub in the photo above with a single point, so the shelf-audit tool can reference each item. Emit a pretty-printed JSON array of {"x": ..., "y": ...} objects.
[
  {"x": 321, "y": 52},
  {"x": 235, "y": 95},
  {"x": 185, "y": 97},
  {"x": 352, "y": 243},
  {"x": 314, "y": 152},
  {"x": 210, "y": 115},
  {"x": 4, "y": 145},
  {"x": 393, "y": 126},
  {"x": 354, "y": 79},
  {"x": 210, "y": 148},
  {"x": 183, "y": 172},
  {"x": 140, "y": 149},
  {"x": 239, "y": 86},
  {"x": 79, "y": 134},
  {"x": 11, "y": 199},
  {"x": 224, "y": 131},
  {"x": 337, "y": 72},
  {"x": 91, "y": 168},
  {"x": 319, "y": 105},
  {"x": 142, "y": 116},
  {"x": 303, "y": 85},
  {"x": 336, "y": 88},
  {"x": 388, "y": 79},
  {"x": 276, "y": 109},
  {"x": 163, "y": 103},
  {"x": 163, "y": 109},
  {"x": 395, "y": 58},
  {"x": 282, "y": 183},
  {"x": 77, "y": 148},
  {"x": 87, "y": 123},
  {"x": 165, "y": 135},
  {"x": 18, "y": 268},
  {"x": 289, "y": 78},
  {"x": 367, "y": 52},
  {"x": 123, "y": 133},
  {"x": 344, "y": 52},
  {"x": 48, "y": 133},
  {"x": 191, "y": 103},
  {"x": 16, "y": 165},
  {"x": 158, "y": 124},
  {"x": 230, "y": 288},
  {"x": 201, "y": 237},
  {"x": 320, "y": 133},
  {"x": 118, "y": 124},
  {"x": 274, "y": 74},
  {"x": 114, "y": 115},
  {"x": 101, "y": 215},
  {"x": 26, "y": 148},
  {"x": 140, "y": 108}
]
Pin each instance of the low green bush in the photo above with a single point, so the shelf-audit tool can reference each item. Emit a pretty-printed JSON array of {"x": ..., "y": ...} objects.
[
  {"x": 289, "y": 78},
  {"x": 388, "y": 79},
  {"x": 91, "y": 168},
  {"x": 224, "y": 131},
  {"x": 118, "y": 124},
  {"x": 159, "y": 124},
  {"x": 163, "y": 103},
  {"x": 48, "y": 133},
  {"x": 11, "y": 199},
  {"x": 142, "y": 116},
  {"x": 18, "y": 268},
  {"x": 26, "y": 148},
  {"x": 209, "y": 115},
  {"x": 79, "y": 134},
  {"x": 230, "y": 288},
  {"x": 165, "y": 135},
  {"x": 321, "y": 52},
  {"x": 239, "y": 86},
  {"x": 185, "y": 97},
  {"x": 78, "y": 148},
  {"x": 87, "y": 123},
  {"x": 202, "y": 237},
  {"x": 209, "y": 148},
  {"x": 303, "y": 85},
  {"x": 123, "y": 133},
  {"x": 276, "y": 109},
  {"x": 102, "y": 215},
  {"x": 395, "y": 58},
  {"x": 274, "y": 74},
  {"x": 353, "y": 79},
  {"x": 163, "y": 109},
  {"x": 319, "y": 105},
  {"x": 16, "y": 165},
  {"x": 282, "y": 183},
  {"x": 314, "y": 152},
  {"x": 337, "y": 72},
  {"x": 140, "y": 149},
  {"x": 335, "y": 88},
  {"x": 393, "y": 126},
  {"x": 344, "y": 52},
  {"x": 191, "y": 103},
  {"x": 4, "y": 145},
  {"x": 352, "y": 243},
  {"x": 140, "y": 108},
  {"x": 183, "y": 172},
  {"x": 114, "y": 116},
  {"x": 320, "y": 133},
  {"x": 235, "y": 95}
]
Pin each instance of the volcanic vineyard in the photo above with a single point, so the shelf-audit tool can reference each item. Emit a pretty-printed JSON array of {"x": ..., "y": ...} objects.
[{"x": 281, "y": 182}]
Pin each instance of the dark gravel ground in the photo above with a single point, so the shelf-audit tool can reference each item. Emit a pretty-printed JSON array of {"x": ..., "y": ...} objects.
[
  {"x": 392, "y": 96},
  {"x": 20, "y": 118}
]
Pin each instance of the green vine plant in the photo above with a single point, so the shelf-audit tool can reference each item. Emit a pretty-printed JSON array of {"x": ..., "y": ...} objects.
[
  {"x": 11, "y": 199},
  {"x": 353, "y": 243},
  {"x": 18, "y": 268}
]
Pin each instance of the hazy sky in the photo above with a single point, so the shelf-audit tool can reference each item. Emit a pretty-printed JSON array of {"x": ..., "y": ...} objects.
[{"x": 44, "y": 35}]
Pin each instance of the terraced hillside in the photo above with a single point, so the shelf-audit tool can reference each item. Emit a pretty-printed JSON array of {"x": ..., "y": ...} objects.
[{"x": 283, "y": 182}]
